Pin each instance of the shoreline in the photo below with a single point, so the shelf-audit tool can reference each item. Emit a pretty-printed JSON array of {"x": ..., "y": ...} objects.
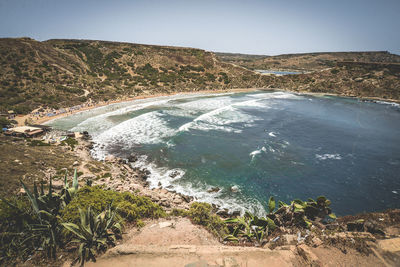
[
  {"x": 219, "y": 91},
  {"x": 21, "y": 119}
]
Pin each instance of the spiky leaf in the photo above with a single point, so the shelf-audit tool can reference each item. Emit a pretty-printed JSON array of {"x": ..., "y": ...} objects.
[
  {"x": 75, "y": 181},
  {"x": 271, "y": 204}
]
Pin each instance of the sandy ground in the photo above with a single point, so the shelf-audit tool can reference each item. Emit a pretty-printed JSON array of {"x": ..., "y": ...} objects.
[
  {"x": 177, "y": 242},
  {"x": 21, "y": 119}
]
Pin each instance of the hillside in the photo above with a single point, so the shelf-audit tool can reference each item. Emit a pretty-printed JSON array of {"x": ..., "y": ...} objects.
[
  {"x": 305, "y": 61},
  {"x": 360, "y": 80},
  {"x": 61, "y": 73}
]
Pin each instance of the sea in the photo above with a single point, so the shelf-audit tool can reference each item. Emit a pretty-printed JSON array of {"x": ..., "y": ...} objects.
[{"x": 262, "y": 143}]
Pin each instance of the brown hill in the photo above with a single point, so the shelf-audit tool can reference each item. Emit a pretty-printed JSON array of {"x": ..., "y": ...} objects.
[
  {"x": 60, "y": 73},
  {"x": 361, "y": 80},
  {"x": 306, "y": 61}
]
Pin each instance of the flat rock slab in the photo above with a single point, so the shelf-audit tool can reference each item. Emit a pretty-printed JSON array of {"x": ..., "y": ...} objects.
[
  {"x": 165, "y": 224},
  {"x": 194, "y": 256},
  {"x": 170, "y": 232},
  {"x": 391, "y": 245}
]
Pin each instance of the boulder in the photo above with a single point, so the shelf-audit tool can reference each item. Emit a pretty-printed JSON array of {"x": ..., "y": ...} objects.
[
  {"x": 213, "y": 190},
  {"x": 178, "y": 201},
  {"x": 234, "y": 189},
  {"x": 165, "y": 224},
  {"x": 132, "y": 158},
  {"x": 188, "y": 199},
  {"x": 174, "y": 174},
  {"x": 110, "y": 158},
  {"x": 373, "y": 228},
  {"x": 355, "y": 226}
]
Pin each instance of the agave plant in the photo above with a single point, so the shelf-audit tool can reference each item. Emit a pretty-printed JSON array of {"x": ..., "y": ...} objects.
[
  {"x": 298, "y": 213},
  {"x": 46, "y": 207},
  {"x": 271, "y": 205},
  {"x": 43, "y": 231},
  {"x": 67, "y": 193},
  {"x": 302, "y": 213},
  {"x": 94, "y": 233},
  {"x": 250, "y": 227}
]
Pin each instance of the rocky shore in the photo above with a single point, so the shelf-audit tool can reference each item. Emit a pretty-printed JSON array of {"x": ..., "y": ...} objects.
[{"x": 119, "y": 175}]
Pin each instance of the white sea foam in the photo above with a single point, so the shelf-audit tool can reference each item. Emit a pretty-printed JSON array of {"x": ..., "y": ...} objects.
[
  {"x": 389, "y": 103},
  {"x": 101, "y": 118},
  {"x": 103, "y": 122},
  {"x": 277, "y": 95},
  {"x": 220, "y": 118},
  {"x": 148, "y": 128},
  {"x": 257, "y": 152},
  {"x": 172, "y": 180},
  {"x": 328, "y": 156}
]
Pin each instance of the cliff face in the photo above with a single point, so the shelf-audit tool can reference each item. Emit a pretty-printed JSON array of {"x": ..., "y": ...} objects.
[{"x": 59, "y": 73}]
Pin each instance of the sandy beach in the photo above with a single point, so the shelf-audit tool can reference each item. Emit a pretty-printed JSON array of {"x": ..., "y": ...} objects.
[
  {"x": 35, "y": 120},
  {"x": 32, "y": 119}
]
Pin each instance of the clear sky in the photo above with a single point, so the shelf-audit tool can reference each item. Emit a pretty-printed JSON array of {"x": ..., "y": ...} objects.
[{"x": 247, "y": 26}]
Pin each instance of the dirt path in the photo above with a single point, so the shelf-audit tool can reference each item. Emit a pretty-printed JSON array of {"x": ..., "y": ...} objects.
[{"x": 177, "y": 242}]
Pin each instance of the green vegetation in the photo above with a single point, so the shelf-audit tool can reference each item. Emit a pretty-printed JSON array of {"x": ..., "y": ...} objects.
[
  {"x": 71, "y": 142},
  {"x": 335, "y": 71},
  {"x": 300, "y": 214},
  {"x": 38, "y": 224},
  {"x": 250, "y": 227},
  {"x": 202, "y": 214},
  {"x": 4, "y": 122},
  {"x": 34, "y": 142},
  {"x": 44, "y": 219},
  {"x": 94, "y": 233},
  {"x": 129, "y": 206},
  {"x": 107, "y": 70}
]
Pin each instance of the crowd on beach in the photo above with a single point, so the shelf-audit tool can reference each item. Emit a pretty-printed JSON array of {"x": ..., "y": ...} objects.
[{"x": 43, "y": 114}]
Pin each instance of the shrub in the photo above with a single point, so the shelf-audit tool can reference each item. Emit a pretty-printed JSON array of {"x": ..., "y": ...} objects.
[
  {"x": 129, "y": 206},
  {"x": 38, "y": 143},
  {"x": 334, "y": 71},
  {"x": 14, "y": 216},
  {"x": 201, "y": 213},
  {"x": 69, "y": 141},
  {"x": 179, "y": 213},
  {"x": 4, "y": 122}
]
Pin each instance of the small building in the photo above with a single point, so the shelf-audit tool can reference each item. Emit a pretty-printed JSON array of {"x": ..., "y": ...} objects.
[
  {"x": 24, "y": 131},
  {"x": 45, "y": 128},
  {"x": 11, "y": 114}
]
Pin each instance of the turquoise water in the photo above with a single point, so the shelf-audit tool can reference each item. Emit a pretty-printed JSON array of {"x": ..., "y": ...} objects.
[{"x": 265, "y": 143}]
